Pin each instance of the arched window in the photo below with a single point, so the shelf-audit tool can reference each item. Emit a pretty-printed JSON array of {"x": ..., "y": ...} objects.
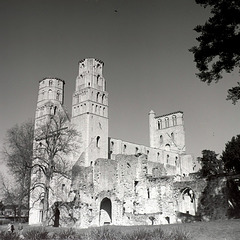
[
  {"x": 50, "y": 83},
  {"x": 98, "y": 141},
  {"x": 167, "y": 158},
  {"x": 124, "y": 148},
  {"x": 97, "y": 97},
  {"x": 112, "y": 146},
  {"x": 58, "y": 95},
  {"x": 172, "y": 136},
  {"x": 167, "y": 147},
  {"x": 166, "y": 122},
  {"x": 50, "y": 93},
  {"x": 104, "y": 111},
  {"x": 136, "y": 150},
  {"x": 176, "y": 161},
  {"x": 98, "y": 79},
  {"x": 103, "y": 97},
  {"x": 159, "y": 124},
  {"x": 174, "y": 119},
  {"x": 161, "y": 140}
]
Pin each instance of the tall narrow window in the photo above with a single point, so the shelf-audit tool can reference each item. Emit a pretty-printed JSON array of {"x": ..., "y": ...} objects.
[
  {"x": 58, "y": 95},
  {"x": 98, "y": 141},
  {"x": 159, "y": 124},
  {"x": 98, "y": 79},
  {"x": 50, "y": 93},
  {"x": 161, "y": 140},
  {"x": 174, "y": 119},
  {"x": 112, "y": 146},
  {"x": 50, "y": 83},
  {"x": 97, "y": 97},
  {"x": 166, "y": 122},
  {"x": 167, "y": 158},
  {"x": 176, "y": 161},
  {"x": 136, "y": 150},
  {"x": 148, "y": 192},
  {"x": 103, "y": 97},
  {"x": 172, "y": 136},
  {"x": 124, "y": 148}
]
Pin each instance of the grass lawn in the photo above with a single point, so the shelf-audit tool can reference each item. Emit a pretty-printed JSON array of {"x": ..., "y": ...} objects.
[{"x": 214, "y": 230}]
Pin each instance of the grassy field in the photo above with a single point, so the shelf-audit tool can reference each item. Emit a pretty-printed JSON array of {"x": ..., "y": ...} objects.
[{"x": 214, "y": 230}]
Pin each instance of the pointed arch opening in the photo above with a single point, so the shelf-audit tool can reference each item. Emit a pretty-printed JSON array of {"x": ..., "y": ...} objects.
[
  {"x": 105, "y": 214},
  {"x": 187, "y": 201}
]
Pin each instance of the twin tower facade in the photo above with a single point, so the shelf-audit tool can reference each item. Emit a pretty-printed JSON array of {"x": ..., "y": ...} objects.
[{"x": 115, "y": 181}]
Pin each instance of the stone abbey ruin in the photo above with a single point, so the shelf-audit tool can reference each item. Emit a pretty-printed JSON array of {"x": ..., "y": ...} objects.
[{"x": 114, "y": 181}]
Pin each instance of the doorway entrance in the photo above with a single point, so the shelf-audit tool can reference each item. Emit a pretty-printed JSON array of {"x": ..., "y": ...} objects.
[{"x": 105, "y": 214}]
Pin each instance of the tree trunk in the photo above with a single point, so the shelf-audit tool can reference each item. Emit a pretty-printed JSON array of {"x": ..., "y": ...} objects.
[{"x": 46, "y": 202}]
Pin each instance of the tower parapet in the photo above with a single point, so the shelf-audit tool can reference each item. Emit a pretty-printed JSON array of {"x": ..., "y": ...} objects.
[{"x": 50, "y": 98}]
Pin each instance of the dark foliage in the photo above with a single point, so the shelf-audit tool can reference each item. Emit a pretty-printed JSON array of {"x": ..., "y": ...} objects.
[
  {"x": 219, "y": 48},
  {"x": 213, "y": 202},
  {"x": 231, "y": 155},
  {"x": 210, "y": 164}
]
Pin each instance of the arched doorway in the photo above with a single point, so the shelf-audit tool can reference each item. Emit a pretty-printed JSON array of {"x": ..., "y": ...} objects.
[
  {"x": 105, "y": 214},
  {"x": 186, "y": 201}
]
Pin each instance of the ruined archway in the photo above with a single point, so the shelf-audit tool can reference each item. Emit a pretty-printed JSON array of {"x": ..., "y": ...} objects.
[
  {"x": 105, "y": 214},
  {"x": 186, "y": 202}
]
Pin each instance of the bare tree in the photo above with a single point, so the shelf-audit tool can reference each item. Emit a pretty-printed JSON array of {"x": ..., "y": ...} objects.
[
  {"x": 54, "y": 141},
  {"x": 18, "y": 155}
]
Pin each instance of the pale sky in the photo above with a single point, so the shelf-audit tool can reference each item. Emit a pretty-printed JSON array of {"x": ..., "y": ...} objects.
[{"x": 144, "y": 45}]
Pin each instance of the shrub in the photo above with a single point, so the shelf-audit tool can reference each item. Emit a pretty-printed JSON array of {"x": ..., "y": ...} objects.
[
  {"x": 8, "y": 236},
  {"x": 179, "y": 234},
  {"x": 4, "y": 221},
  {"x": 69, "y": 234},
  {"x": 36, "y": 234},
  {"x": 104, "y": 234}
]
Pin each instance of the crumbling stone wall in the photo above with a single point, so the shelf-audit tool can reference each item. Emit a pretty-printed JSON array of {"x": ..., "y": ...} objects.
[{"x": 130, "y": 190}]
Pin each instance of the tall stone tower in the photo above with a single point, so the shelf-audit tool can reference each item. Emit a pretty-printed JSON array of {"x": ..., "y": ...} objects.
[
  {"x": 167, "y": 131},
  {"x": 50, "y": 99},
  {"x": 90, "y": 111}
]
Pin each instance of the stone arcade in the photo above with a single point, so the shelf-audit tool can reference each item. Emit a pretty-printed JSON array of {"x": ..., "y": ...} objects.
[{"x": 115, "y": 181}]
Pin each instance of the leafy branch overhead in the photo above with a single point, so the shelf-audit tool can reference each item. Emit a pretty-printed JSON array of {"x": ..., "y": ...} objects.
[{"x": 219, "y": 49}]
